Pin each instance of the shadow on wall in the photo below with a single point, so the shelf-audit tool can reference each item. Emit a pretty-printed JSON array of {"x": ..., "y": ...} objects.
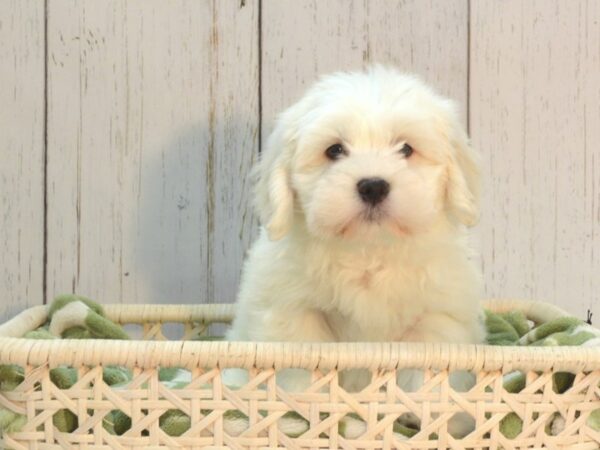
[{"x": 194, "y": 222}]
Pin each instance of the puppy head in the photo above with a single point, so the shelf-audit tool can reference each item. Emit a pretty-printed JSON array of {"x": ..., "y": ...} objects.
[{"x": 364, "y": 153}]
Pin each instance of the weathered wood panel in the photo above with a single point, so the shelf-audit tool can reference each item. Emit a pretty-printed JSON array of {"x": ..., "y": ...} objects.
[
  {"x": 21, "y": 155},
  {"x": 152, "y": 119},
  {"x": 535, "y": 114},
  {"x": 302, "y": 40}
]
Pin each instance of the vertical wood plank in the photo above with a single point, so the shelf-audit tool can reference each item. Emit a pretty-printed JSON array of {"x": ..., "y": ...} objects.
[
  {"x": 153, "y": 114},
  {"x": 535, "y": 91},
  {"x": 21, "y": 155},
  {"x": 302, "y": 40},
  {"x": 235, "y": 142}
]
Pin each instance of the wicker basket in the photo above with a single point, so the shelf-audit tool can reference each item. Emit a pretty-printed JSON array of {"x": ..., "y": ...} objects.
[{"x": 379, "y": 405}]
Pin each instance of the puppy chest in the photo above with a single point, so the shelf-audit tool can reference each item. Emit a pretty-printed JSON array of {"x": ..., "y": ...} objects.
[
  {"x": 369, "y": 308},
  {"x": 372, "y": 323},
  {"x": 364, "y": 284}
]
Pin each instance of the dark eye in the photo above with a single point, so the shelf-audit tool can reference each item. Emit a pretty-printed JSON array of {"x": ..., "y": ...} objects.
[
  {"x": 406, "y": 150},
  {"x": 335, "y": 152}
]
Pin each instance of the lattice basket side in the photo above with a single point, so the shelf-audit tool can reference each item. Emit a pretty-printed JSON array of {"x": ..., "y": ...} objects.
[{"x": 262, "y": 415}]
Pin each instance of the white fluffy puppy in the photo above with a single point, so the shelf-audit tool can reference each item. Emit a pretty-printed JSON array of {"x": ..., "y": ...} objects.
[{"x": 364, "y": 191}]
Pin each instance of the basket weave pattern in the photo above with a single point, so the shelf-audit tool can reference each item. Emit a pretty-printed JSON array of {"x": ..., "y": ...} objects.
[{"x": 324, "y": 404}]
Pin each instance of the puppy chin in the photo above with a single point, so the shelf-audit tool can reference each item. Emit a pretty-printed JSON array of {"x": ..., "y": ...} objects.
[{"x": 382, "y": 230}]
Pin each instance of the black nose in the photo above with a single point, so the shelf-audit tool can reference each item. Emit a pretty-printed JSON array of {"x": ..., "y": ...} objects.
[{"x": 373, "y": 190}]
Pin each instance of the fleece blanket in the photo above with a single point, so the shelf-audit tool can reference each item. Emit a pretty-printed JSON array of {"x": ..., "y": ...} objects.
[{"x": 77, "y": 317}]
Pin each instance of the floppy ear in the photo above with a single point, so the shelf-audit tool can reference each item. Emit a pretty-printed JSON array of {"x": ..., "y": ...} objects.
[
  {"x": 274, "y": 198},
  {"x": 463, "y": 188}
]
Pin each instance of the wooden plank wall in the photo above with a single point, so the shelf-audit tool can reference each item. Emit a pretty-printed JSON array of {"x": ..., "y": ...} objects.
[
  {"x": 22, "y": 132},
  {"x": 153, "y": 125},
  {"x": 131, "y": 126},
  {"x": 535, "y": 115},
  {"x": 302, "y": 40}
]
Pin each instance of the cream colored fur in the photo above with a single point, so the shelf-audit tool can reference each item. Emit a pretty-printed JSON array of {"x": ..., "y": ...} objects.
[{"x": 325, "y": 270}]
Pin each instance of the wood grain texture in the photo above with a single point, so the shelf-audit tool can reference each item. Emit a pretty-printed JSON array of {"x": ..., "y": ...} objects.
[
  {"x": 152, "y": 119},
  {"x": 304, "y": 39},
  {"x": 21, "y": 155},
  {"x": 153, "y": 123},
  {"x": 535, "y": 114}
]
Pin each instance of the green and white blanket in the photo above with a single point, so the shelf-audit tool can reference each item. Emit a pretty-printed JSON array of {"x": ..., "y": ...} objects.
[{"x": 76, "y": 317}]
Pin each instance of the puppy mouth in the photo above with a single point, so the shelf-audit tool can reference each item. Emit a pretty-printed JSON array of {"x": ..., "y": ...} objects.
[
  {"x": 372, "y": 214},
  {"x": 374, "y": 218}
]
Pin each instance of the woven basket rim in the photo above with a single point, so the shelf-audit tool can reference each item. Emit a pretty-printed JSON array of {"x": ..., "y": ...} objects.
[{"x": 261, "y": 355}]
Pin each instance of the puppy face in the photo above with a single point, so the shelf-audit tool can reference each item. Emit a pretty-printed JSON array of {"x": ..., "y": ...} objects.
[{"x": 364, "y": 154}]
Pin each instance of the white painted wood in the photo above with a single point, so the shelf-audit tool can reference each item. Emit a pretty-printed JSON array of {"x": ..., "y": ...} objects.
[
  {"x": 304, "y": 39},
  {"x": 21, "y": 155},
  {"x": 534, "y": 96},
  {"x": 153, "y": 123},
  {"x": 152, "y": 119}
]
